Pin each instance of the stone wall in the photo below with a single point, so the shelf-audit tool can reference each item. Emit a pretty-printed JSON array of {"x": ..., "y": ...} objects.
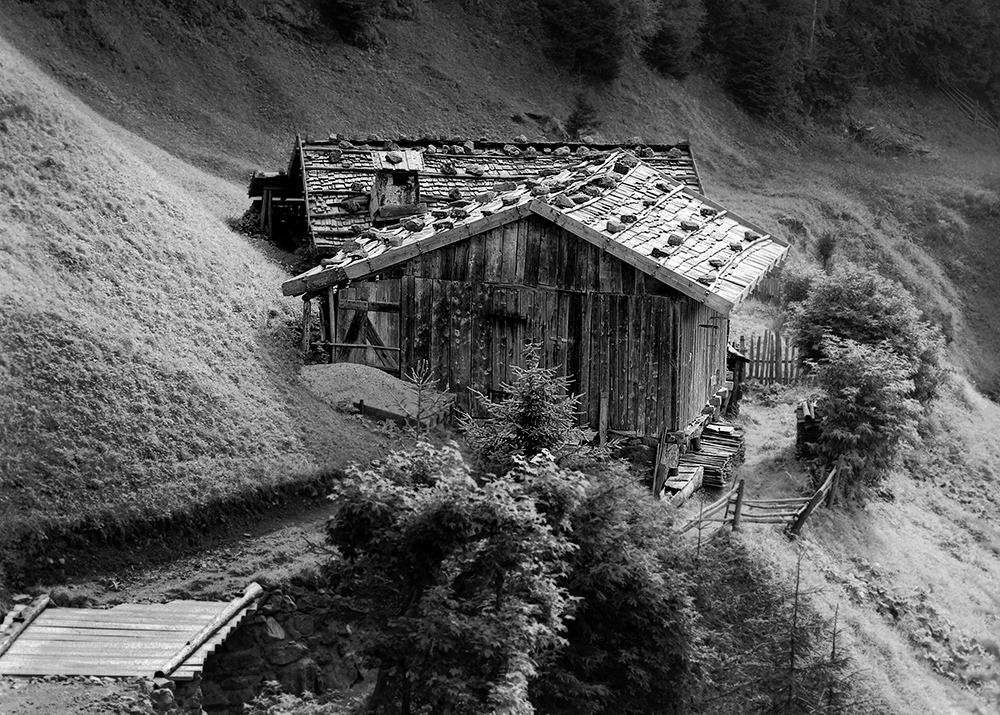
[{"x": 291, "y": 639}]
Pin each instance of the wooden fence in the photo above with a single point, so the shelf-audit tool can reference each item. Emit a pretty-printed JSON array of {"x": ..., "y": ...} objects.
[
  {"x": 773, "y": 358},
  {"x": 732, "y": 509},
  {"x": 970, "y": 107}
]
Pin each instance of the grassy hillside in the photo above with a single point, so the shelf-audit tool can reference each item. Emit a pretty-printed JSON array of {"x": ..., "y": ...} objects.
[
  {"x": 226, "y": 85},
  {"x": 146, "y": 357}
]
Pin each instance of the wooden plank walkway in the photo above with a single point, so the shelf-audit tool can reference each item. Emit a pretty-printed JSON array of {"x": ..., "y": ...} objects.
[{"x": 131, "y": 640}]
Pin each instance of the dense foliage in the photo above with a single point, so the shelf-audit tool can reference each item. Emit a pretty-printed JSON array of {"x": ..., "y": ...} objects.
[
  {"x": 781, "y": 56},
  {"x": 455, "y": 587},
  {"x": 877, "y": 360}
]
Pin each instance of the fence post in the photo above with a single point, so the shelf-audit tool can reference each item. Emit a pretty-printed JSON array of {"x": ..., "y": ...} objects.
[
  {"x": 739, "y": 505},
  {"x": 831, "y": 497},
  {"x": 800, "y": 520}
]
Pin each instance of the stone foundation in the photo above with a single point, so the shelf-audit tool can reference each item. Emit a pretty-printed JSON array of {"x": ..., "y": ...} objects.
[{"x": 290, "y": 639}]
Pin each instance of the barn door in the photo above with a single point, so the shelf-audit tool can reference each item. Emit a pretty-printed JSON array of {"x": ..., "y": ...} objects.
[{"x": 367, "y": 328}]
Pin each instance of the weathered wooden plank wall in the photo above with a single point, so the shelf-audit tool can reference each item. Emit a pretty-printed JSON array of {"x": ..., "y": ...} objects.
[{"x": 469, "y": 308}]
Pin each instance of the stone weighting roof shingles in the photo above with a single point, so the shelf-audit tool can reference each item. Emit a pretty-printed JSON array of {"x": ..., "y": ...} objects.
[
  {"x": 618, "y": 202},
  {"x": 336, "y": 175}
]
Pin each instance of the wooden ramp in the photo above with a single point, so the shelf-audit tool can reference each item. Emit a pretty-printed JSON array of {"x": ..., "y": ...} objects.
[{"x": 171, "y": 639}]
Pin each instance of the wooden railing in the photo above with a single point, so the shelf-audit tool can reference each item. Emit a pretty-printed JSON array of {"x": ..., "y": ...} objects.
[
  {"x": 970, "y": 107},
  {"x": 773, "y": 358},
  {"x": 733, "y": 509}
]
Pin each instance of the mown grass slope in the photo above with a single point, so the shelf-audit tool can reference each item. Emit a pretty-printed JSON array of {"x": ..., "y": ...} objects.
[{"x": 146, "y": 358}]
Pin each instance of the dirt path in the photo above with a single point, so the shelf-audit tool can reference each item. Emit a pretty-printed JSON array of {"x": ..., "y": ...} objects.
[{"x": 220, "y": 568}]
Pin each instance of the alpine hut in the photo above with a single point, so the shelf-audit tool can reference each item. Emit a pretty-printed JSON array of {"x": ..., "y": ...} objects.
[{"x": 617, "y": 266}]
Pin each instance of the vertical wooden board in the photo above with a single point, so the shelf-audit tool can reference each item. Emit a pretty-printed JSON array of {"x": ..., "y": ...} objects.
[
  {"x": 584, "y": 353},
  {"x": 664, "y": 361},
  {"x": 597, "y": 348},
  {"x": 628, "y": 278},
  {"x": 604, "y": 267},
  {"x": 460, "y": 261},
  {"x": 498, "y": 347},
  {"x": 554, "y": 339},
  {"x": 480, "y": 369},
  {"x": 520, "y": 265},
  {"x": 584, "y": 279},
  {"x": 660, "y": 347},
  {"x": 567, "y": 260},
  {"x": 477, "y": 259},
  {"x": 494, "y": 255},
  {"x": 613, "y": 324},
  {"x": 644, "y": 361},
  {"x": 407, "y": 321},
  {"x": 574, "y": 331},
  {"x": 546, "y": 233},
  {"x": 565, "y": 342},
  {"x": 609, "y": 344},
  {"x": 443, "y": 306},
  {"x": 515, "y": 332},
  {"x": 433, "y": 318},
  {"x": 508, "y": 264},
  {"x": 446, "y": 262},
  {"x": 461, "y": 337},
  {"x": 532, "y": 239},
  {"x": 638, "y": 409}
]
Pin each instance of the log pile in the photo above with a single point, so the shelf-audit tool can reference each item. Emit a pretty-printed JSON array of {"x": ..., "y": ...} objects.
[{"x": 720, "y": 451}]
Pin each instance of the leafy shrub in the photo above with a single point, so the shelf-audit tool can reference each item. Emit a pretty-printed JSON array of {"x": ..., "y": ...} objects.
[
  {"x": 868, "y": 412},
  {"x": 671, "y": 47},
  {"x": 876, "y": 361},
  {"x": 861, "y": 306}
]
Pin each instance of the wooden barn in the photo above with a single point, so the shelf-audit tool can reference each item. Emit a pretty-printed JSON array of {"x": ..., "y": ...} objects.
[{"x": 623, "y": 274}]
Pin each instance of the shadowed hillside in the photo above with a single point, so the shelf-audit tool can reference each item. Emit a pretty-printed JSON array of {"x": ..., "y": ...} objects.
[{"x": 145, "y": 359}]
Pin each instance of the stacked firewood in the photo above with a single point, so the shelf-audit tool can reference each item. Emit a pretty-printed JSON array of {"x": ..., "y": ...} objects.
[{"x": 720, "y": 451}]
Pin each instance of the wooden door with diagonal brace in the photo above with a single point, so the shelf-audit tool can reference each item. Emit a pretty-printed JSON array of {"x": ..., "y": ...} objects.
[{"x": 367, "y": 327}]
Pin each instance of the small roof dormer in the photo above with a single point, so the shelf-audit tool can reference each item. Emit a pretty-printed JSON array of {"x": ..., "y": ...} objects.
[{"x": 396, "y": 188}]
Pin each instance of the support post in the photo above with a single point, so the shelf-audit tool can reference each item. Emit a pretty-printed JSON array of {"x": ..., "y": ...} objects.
[
  {"x": 831, "y": 497},
  {"x": 739, "y": 504},
  {"x": 658, "y": 468},
  {"x": 333, "y": 305},
  {"x": 602, "y": 423},
  {"x": 306, "y": 325},
  {"x": 800, "y": 520}
]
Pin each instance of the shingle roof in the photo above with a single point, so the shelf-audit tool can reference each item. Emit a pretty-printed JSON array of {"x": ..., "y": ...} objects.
[
  {"x": 337, "y": 174},
  {"x": 617, "y": 202}
]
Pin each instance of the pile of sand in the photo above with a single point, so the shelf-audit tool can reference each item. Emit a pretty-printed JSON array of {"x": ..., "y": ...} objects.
[{"x": 344, "y": 384}]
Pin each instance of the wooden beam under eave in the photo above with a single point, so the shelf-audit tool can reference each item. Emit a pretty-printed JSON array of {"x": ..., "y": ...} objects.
[
  {"x": 312, "y": 281},
  {"x": 640, "y": 262}
]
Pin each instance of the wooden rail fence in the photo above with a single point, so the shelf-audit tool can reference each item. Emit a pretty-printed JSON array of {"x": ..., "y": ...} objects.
[
  {"x": 732, "y": 509},
  {"x": 970, "y": 107},
  {"x": 773, "y": 359}
]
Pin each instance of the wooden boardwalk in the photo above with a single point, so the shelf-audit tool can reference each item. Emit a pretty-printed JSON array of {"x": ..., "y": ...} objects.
[{"x": 129, "y": 640}]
